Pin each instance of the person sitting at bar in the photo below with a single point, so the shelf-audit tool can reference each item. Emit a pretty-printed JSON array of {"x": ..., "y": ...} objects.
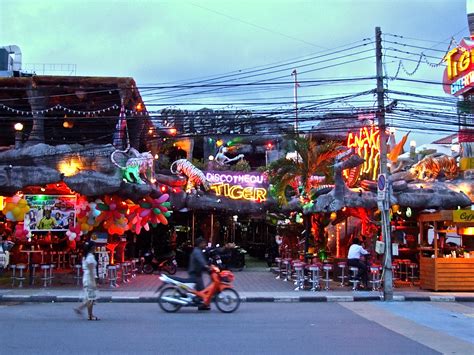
[{"x": 353, "y": 259}]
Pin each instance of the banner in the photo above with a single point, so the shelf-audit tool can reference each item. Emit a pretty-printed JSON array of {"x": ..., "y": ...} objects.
[
  {"x": 50, "y": 212},
  {"x": 465, "y": 216}
]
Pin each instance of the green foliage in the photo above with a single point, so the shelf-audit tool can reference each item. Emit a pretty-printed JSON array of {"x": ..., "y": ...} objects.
[
  {"x": 313, "y": 159},
  {"x": 241, "y": 165}
]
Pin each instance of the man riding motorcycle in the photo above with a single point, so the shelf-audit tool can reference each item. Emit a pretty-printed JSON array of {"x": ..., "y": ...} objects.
[{"x": 197, "y": 264}]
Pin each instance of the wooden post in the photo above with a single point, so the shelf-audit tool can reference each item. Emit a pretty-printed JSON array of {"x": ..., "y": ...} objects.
[{"x": 435, "y": 239}]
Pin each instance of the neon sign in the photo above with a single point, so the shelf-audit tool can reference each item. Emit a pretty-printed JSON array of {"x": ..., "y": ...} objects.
[
  {"x": 459, "y": 72},
  {"x": 366, "y": 144},
  {"x": 238, "y": 186},
  {"x": 237, "y": 192}
]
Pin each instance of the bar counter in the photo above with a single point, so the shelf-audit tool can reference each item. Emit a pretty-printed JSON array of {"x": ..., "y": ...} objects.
[{"x": 447, "y": 274}]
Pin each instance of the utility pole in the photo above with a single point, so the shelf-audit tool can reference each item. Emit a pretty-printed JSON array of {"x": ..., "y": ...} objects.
[
  {"x": 383, "y": 197},
  {"x": 295, "y": 74}
]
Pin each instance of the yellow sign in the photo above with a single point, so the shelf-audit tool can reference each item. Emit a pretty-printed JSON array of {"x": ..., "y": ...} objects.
[
  {"x": 237, "y": 192},
  {"x": 465, "y": 216}
]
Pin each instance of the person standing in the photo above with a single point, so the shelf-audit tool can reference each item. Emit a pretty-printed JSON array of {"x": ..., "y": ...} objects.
[
  {"x": 89, "y": 266},
  {"x": 353, "y": 259}
]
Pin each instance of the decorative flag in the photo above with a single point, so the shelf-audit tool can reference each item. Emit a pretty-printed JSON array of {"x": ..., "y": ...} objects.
[{"x": 397, "y": 150}]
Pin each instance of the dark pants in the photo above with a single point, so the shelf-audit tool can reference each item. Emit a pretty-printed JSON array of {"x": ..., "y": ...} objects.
[
  {"x": 197, "y": 279},
  {"x": 362, "y": 269}
]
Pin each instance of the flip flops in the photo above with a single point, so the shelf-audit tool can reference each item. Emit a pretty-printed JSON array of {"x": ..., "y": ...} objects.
[{"x": 93, "y": 318}]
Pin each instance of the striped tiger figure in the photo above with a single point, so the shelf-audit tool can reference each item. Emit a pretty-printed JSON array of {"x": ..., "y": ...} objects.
[{"x": 430, "y": 167}]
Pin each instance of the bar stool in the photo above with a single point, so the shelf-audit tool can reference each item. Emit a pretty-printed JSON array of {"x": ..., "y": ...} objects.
[
  {"x": 77, "y": 274},
  {"x": 128, "y": 265},
  {"x": 375, "y": 273},
  {"x": 124, "y": 269},
  {"x": 315, "y": 276},
  {"x": 33, "y": 270},
  {"x": 21, "y": 276},
  {"x": 279, "y": 266},
  {"x": 51, "y": 277},
  {"x": 342, "y": 265},
  {"x": 53, "y": 257},
  {"x": 112, "y": 275},
  {"x": 327, "y": 268},
  {"x": 45, "y": 268},
  {"x": 72, "y": 260},
  {"x": 61, "y": 259},
  {"x": 395, "y": 273},
  {"x": 299, "y": 269},
  {"x": 403, "y": 271},
  {"x": 135, "y": 267},
  {"x": 412, "y": 276},
  {"x": 354, "y": 280},
  {"x": 287, "y": 264},
  {"x": 13, "y": 275}
]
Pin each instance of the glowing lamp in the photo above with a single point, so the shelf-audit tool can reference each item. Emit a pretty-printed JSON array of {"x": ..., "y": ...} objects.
[
  {"x": 139, "y": 107},
  {"x": 173, "y": 131},
  {"x": 43, "y": 189},
  {"x": 69, "y": 167},
  {"x": 412, "y": 143},
  {"x": 156, "y": 156},
  {"x": 219, "y": 142},
  {"x": 18, "y": 127},
  {"x": 211, "y": 157},
  {"x": 163, "y": 188},
  {"x": 269, "y": 146},
  {"x": 150, "y": 131}
]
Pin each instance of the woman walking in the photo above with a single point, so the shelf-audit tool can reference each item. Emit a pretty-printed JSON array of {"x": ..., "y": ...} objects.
[{"x": 88, "y": 280}]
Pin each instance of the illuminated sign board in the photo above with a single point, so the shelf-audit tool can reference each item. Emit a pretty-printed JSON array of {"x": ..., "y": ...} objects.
[
  {"x": 366, "y": 144},
  {"x": 238, "y": 185},
  {"x": 466, "y": 216},
  {"x": 459, "y": 73}
]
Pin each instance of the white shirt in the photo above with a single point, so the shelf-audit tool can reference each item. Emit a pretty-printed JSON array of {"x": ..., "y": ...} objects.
[
  {"x": 355, "y": 252},
  {"x": 88, "y": 277}
]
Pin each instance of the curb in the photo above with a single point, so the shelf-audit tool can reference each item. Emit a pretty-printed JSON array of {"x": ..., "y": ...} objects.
[{"x": 248, "y": 299}]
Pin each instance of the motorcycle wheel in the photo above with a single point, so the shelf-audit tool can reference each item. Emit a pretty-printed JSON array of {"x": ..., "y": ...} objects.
[
  {"x": 148, "y": 269},
  {"x": 228, "y": 300},
  {"x": 171, "y": 268},
  {"x": 171, "y": 292}
]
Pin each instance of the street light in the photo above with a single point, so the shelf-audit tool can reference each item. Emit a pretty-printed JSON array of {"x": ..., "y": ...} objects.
[{"x": 18, "y": 134}]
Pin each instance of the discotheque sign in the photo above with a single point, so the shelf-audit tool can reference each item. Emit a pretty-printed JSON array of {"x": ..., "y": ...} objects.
[{"x": 238, "y": 185}]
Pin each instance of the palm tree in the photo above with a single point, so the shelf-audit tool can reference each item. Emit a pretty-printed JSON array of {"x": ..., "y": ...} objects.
[{"x": 312, "y": 159}]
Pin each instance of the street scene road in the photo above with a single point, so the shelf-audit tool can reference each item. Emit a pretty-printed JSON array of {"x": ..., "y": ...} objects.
[{"x": 266, "y": 328}]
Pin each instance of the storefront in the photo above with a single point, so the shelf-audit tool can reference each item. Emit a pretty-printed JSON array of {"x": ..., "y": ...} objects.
[{"x": 447, "y": 266}]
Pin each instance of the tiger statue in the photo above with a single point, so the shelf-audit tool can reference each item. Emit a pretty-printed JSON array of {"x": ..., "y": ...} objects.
[
  {"x": 138, "y": 166},
  {"x": 194, "y": 175},
  {"x": 430, "y": 167}
]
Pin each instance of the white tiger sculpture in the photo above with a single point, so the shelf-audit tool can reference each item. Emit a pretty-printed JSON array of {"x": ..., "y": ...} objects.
[
  {"x": 194, "y": 175},
  {"x": 138, "y": 166}
]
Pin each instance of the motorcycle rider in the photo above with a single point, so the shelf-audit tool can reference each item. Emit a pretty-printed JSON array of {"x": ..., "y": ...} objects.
[{"x": 197, "y": 263}]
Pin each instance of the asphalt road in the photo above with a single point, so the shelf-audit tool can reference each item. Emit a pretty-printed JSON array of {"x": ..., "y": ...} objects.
[{"x": 266, "y": 328}]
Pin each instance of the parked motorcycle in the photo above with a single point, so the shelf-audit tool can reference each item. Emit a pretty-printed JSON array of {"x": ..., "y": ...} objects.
[
  {"x": 166, "y": 263},
  {"x": 233, "y": 257},
  {"x": 178, "y": 292}
]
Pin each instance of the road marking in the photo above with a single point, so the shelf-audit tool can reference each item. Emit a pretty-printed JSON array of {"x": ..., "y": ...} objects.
[{"x": 431, "y": 338}]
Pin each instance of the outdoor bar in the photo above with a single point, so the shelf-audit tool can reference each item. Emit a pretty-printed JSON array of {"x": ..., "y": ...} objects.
[{"x": 442, "y": 269}]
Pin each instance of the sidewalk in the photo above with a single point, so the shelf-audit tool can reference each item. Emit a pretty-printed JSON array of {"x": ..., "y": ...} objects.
[{"x": 253, "y": 285}]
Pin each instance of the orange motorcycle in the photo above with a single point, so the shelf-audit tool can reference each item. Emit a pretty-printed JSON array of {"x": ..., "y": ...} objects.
[{"x": 177, "y": 292}]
